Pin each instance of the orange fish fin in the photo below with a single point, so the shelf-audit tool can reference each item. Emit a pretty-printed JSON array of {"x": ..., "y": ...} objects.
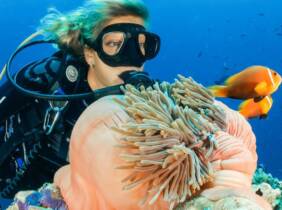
[
  {"x": 243, "y": 105},
  {"x": 244, "y": 108},
  {"x": 239, "y": 75},
  {"x": 231, "y": 79},
  {"x": 267, "y": 105},
  {"x": 260, "y": 88},
  {"x": 219, "y": 90}
]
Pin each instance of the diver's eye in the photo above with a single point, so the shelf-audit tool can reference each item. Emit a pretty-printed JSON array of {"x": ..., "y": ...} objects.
[
  {"x": 113, "y": 44},
  {"x": 112, "y": 47}
]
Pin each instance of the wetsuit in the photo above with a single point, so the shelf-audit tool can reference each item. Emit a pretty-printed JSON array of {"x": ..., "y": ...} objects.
[{"x": 35, "y": 133}]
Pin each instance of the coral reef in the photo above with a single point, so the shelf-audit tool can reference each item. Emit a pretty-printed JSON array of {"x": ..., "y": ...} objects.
[
  {"x": 269, "y": 187},
  {"x": 47, "y": 197},
  {"x": 228, "y": 203},
  {"x": 264, "y": 184}
]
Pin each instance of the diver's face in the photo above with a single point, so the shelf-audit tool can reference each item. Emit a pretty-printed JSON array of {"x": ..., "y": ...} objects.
[{"x": 102, "y": 75}]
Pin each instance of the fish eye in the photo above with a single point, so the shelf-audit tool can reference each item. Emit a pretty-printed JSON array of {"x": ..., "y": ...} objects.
[{"x": 274, "y": 73}]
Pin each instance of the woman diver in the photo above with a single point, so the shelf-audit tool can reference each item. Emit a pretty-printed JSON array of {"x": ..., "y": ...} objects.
[
  {"x": 165, "y": 147},
  {"x": 102, "y": 44}
]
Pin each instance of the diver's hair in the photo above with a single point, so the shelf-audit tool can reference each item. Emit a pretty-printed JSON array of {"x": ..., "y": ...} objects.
[{"x": 71, "y": 29}]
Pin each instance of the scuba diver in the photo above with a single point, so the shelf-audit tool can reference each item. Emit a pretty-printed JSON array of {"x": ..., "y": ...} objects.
[{"x": 101, "y": 46}]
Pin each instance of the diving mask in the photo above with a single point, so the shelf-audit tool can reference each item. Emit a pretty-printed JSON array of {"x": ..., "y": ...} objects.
[{"x": 125, "y": 44}]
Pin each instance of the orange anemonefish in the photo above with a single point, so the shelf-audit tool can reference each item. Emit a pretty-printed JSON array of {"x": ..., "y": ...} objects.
[
  {"x": 250, "y": 108},
  {"x": 252, "y": 82}
]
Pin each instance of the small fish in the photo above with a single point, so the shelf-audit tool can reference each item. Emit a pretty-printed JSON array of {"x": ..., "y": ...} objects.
[
  {"x": 261, "y": 14},
  {"x": 243, "y": 35},
  {"x": 200, "y": 54},
  {"x": 279, "y": 34},
  {"x": 252, "y": 82},
  {"x": 251, "y": 108}
]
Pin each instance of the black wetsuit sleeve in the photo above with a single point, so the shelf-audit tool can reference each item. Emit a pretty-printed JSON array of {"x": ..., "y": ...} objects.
[{"x": 38, "y": 76}]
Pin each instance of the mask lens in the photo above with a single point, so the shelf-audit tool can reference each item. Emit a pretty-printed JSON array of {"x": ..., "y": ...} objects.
[
  {"x": 149, "y": 44},
  {"x": 112, "y": 42},
  {"x": 141, "y": 42}
]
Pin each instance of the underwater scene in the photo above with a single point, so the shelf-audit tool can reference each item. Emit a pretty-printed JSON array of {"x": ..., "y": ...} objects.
[{"x": 226, "y": 49}]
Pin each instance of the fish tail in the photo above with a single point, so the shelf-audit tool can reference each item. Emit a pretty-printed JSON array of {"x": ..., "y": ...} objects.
[
  {"x": 243, "y": 110},
  {"x": 219, "y": 90}
]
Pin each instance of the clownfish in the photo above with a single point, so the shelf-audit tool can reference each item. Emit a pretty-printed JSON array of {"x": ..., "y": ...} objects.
[
  {"x": 252, "y": 82},
  {"x": 251, "y": 108}
]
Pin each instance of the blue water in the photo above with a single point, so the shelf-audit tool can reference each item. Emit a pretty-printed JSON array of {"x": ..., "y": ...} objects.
[{"x": 200, "y": 38}]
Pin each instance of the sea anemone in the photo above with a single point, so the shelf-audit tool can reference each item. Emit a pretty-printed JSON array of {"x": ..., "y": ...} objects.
[{"x": 169, "y": 139}]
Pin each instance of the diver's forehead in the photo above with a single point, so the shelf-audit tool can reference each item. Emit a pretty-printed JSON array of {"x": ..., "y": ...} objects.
[{"x": 126, "y": 19}]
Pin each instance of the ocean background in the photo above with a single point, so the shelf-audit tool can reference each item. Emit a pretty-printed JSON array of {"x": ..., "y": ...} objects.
[{"x": 204, "y": 39}]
